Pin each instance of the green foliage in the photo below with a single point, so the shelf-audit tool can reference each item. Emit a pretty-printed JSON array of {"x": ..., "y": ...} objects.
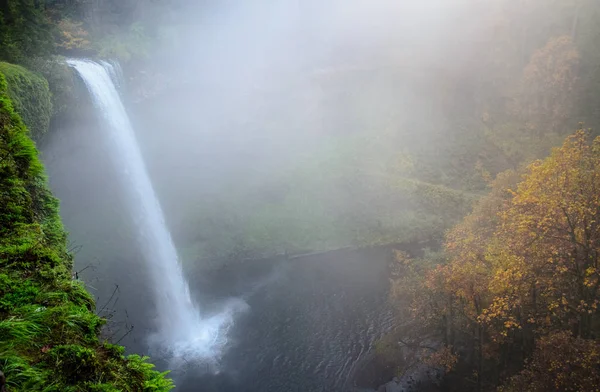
[
  {"x": 25, "y": 31},
  {"x": 73, "y": 363},
  {"x": 60, "y": 80},
  {"x": 31, "y": 97},
  {"x": 132, "y": 43},
  {"x": 48, "y": 330},
  {"x": 33, "y": 29}
]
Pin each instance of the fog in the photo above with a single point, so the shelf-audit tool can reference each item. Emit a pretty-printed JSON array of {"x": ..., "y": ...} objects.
[
  {"x": 250, "y": 100},
  {"x": 275, "y": 129}
]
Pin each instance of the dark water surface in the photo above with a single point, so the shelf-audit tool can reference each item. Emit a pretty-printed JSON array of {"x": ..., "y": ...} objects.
[{"x": 312, "y": 324}]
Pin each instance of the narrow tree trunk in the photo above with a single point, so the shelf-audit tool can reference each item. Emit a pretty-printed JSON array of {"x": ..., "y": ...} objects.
[{"x": 480, "y": 361}]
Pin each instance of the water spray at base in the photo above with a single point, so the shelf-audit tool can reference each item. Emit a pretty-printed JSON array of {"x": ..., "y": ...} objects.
[{"x": 205, "y": 340}]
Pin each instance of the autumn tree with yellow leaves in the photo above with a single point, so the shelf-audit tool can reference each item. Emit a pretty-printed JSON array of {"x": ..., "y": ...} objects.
[
  {"x": 544, "y": 254},
  {"x": 521, "y": 272}
]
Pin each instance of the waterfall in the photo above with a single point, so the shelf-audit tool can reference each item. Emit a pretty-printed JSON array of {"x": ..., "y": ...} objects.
[{"x": 181, "y": 329}]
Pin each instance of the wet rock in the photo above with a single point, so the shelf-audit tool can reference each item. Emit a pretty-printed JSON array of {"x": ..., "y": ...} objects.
[{"x": 394, "y": 386}]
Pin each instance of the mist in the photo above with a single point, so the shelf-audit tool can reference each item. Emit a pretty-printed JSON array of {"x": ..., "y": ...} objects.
[
  {"x": 295, "y": 149},
  {"x": 257, "y": 93}
]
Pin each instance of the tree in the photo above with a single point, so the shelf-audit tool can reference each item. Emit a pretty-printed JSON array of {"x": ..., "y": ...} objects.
[
  {"x": 522, "y": 272},
  {"x": 25, "y": 30},
  {"x": 560, "y": 363},
  {"x": 548, "y": 84},
  {"x": 73, "y": 35},
  {"x": 546, "y": 250}
]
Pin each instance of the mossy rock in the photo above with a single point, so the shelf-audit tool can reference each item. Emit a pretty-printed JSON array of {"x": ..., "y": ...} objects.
[
  {"x": 49, "y": 332},
  {"x": 31, "y": 97},
  {"x": 61, "y": 80}
]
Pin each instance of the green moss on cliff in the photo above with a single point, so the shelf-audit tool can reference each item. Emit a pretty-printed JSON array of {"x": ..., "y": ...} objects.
[
  {"x": 31, "y": 97},
  {"x": 48, "y": 328},
  {"x": 60, "y": 80}
]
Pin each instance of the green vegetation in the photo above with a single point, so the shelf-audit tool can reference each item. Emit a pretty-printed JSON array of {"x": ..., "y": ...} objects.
[
  {"x": 60, "y": 81},
  {"x": 36, "y": 33},
  {"x": 49, "y": 333},
  {"x": 25, "y": 31},
  {"x": 31, "y": 97},
  {"x": 31, "y": 29}
]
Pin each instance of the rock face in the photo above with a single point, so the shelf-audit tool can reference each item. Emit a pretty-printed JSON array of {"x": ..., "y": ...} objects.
[
  {"x": 422, "y": 378},
  {"x": 392, "y": 386}
]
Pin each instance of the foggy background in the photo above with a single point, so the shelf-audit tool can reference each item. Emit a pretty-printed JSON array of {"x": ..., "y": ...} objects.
[
  {"x": 274, "y": 128},
  {"x": 287, "y": 126}
]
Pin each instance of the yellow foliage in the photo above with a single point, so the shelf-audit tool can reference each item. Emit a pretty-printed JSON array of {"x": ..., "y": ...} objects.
[
  {"x": 560, "y": 363},
  {"x": 73, "y": 35},
  {"x": 526, "y": 260},
  {"x": 443, "y": 358}
]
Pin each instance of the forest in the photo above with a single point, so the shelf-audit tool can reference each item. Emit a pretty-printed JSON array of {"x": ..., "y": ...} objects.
[{"x": 475, "y": 129}]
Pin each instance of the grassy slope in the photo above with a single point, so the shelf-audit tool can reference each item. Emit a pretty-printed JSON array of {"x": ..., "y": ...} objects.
[{"x": 48, "y": 329}]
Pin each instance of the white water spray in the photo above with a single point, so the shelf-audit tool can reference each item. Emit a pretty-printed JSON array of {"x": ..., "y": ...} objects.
[{"x": 182, "y": 331}]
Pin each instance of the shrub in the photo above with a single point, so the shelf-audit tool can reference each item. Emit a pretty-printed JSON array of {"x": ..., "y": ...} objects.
[{"x": 31, "y": 97}]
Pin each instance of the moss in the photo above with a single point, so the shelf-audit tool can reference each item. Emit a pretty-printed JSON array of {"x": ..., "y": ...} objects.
[
  {"x": 60, "y": 80},
  {"x": 48, "y": 329},
  {"x": 31, "y": 97}
]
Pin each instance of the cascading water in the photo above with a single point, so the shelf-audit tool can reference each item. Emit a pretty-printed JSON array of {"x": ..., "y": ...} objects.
[{"x": 182, "y": 331}]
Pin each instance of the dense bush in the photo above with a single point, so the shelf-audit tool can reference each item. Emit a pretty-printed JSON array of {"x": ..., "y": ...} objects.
[
  {"x": 31, "y": 97},
  {"x": 25, "y": 31},
  {"x": 60, "y": 80}
]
